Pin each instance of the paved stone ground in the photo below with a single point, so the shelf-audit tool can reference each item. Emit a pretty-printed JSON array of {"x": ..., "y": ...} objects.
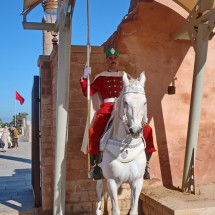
[{"x": 16, "y": 194}]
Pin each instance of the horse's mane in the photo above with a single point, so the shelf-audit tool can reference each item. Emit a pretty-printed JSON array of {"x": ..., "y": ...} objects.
[{"x": 118, "y": 101}]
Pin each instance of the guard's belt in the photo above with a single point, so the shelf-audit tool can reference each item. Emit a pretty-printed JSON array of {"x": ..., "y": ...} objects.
[{"x": 109, "y": 100}]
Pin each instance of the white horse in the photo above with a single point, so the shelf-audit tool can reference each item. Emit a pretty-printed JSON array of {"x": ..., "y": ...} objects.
[{"x": 123, "y": 145}]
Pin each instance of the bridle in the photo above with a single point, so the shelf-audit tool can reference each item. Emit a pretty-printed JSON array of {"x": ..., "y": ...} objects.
[{"x": 135, "y": 87}]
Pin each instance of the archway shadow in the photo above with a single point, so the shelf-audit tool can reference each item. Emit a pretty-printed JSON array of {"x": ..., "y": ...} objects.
[
  {"x": 156, "y": 90},
  {"x": 16, "y": 191},
  {"x": 24, "y": 160}
]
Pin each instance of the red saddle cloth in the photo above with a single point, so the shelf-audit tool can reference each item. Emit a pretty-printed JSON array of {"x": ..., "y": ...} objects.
[{"x": 147, "y": 134}]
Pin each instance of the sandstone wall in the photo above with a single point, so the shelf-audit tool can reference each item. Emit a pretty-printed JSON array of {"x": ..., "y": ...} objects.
[
  {"x": 146, "y": 34},
  {"x": 47, "y": 140}
]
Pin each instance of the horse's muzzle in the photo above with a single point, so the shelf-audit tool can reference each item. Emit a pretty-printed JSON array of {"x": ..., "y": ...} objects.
[{"x": 135, "y": 132}]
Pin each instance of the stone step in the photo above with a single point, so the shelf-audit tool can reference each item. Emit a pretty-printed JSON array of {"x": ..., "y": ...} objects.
[
  {"x": 28, "y": 212},
  {"x": 162, "y": 201}
]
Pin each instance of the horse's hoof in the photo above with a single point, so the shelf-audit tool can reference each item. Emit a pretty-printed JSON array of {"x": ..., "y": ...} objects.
[{"x": 98, "y": 212}]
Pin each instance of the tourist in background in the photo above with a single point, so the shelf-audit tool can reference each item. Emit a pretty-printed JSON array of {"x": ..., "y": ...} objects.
[
  {"x": 9, "y": 139},
  {"x": 12, "y": 136},
  {"x": 4, "y": 139},
  {"x": 15, "y": 137}
]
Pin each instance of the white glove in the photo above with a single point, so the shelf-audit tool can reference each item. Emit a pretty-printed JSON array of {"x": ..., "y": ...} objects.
[{"x": 87, "y": 71}]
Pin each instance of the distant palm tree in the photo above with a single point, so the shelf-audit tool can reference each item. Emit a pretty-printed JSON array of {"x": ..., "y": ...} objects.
[{"x": 19, "y": 119}]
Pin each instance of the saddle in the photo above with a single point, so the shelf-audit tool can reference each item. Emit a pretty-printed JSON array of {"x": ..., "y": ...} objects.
[{"x": 106, "y": 134}]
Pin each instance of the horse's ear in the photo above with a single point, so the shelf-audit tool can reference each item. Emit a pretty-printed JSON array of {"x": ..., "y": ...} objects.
[
  {"x": 142, "y": 78},
  {"x": 125, "y": 79}
]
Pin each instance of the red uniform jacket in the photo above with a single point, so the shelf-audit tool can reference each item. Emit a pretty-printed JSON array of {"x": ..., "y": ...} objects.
[{"x": 108, "y": 87}]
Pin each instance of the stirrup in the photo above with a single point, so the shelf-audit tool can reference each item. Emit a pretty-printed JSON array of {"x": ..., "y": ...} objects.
[{"x": 95, "y": 173}]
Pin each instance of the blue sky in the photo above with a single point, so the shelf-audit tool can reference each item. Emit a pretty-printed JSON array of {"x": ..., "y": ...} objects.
[{"x": 21, "y": 48}]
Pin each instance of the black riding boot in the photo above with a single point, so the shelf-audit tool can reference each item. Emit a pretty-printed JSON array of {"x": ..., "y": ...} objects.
[
  {"x": 96, "y": 171},
  {"x": 146, "y": 174}
]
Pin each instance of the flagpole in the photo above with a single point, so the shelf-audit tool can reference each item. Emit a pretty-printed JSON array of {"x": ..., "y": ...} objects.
[
  {"x": 15, "y": 106},
  {"x": 88, "y": 79}
]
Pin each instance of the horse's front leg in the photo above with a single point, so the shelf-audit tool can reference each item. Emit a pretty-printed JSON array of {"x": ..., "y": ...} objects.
[
  {"x": 136, "y": 187},
  {"x": 112, "y": 189},
  {"x": 99, "y": 191}
]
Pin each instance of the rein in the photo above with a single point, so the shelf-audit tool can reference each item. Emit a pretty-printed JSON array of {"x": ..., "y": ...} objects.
[{"x": 124, "y": 121}]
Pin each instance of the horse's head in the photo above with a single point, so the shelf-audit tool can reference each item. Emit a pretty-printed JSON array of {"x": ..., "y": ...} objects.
[{"x": 134, "y": 104}]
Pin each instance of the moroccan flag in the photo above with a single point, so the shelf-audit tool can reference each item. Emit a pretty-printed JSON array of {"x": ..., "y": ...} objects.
[{"x": 19, "y": 97}]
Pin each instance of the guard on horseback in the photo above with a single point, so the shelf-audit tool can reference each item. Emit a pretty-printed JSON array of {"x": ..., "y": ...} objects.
[{"x": 107, "y": 85}]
